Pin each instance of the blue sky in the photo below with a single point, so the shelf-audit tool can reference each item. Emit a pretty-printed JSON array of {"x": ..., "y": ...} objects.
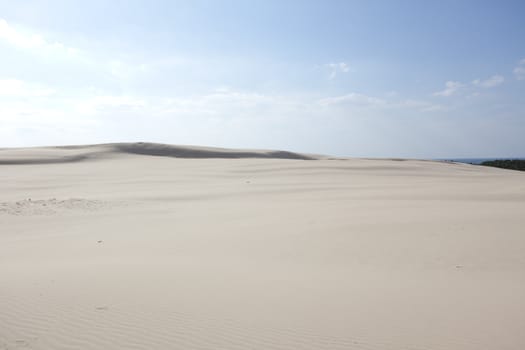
[{"x": 356, "y": 78}]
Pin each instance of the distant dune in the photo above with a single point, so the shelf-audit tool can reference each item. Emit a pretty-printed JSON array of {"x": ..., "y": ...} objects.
[
  {"x": 151, "y": 246},
  {"x": 66, "y": 154}
]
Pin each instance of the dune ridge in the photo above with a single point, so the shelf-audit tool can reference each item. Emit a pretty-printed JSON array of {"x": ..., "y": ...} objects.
[{"x": 70, "y": 154}]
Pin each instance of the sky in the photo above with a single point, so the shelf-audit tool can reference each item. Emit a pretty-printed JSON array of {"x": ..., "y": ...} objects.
[{"x": 414, "y": 79}]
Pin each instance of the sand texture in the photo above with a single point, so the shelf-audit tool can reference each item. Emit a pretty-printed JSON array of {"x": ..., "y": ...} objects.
[{"x": 147, "y": 246}]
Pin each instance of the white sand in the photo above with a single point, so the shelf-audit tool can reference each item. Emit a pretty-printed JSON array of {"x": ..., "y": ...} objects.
[{"x": 121, "y": 250}]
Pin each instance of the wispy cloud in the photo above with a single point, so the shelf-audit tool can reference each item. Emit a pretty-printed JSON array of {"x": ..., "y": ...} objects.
[
  {"x": 105, "y": 103},
  {"x": 421, "y": 106},
  {"x": 365, "y": 101},
  {"x": 32, "y": 41},
  {"x": 336, "y": 68},
  {"x": 20, "y": 88},
  {"x": 221, "y": 101},
  {"x": 109, "y": 64},
  {"x": 519, "y": 71},
  {"x": 352, "y": 98},
  {"x": 451, "y": 87},
  {"x": 491, "y": 82},
  {"x": 125, "y": 70}
]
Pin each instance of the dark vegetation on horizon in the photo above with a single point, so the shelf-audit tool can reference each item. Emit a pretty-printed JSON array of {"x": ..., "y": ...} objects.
[{"x": 514, "y": 164}]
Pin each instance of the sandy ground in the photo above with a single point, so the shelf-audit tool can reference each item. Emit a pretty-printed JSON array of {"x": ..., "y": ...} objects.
[{"x": 127, "y": 247}]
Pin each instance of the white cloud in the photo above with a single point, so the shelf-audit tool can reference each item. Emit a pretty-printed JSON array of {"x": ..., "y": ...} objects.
[
  {"x": 519, "y": 71},
  {"x": 335, "y": 68},
  {"x": 352, "y": 98},
  {"x": 126, "y": 70},
  {"x": 18, "y": 39},
  {"x": 21, "y": 114},
  {"x": 221, "y": 101},
  {"x": 32, "y": 41},
  {"x": 239, "y": 98},
  {"x": 360, "y": 100},
  {"x": 451, "y": 87},
  {"x": 107, "y": 103},
  {"x": 493, "y": 81},
  {"x": 421, "y": 106},
  {"x": 36, "y": 44},
  {"x": 20, "y": 88}
]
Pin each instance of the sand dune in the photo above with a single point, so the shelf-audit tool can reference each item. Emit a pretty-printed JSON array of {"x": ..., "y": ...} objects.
[
  {"x": 68, "y": 154},
  {"x": 148, "y": 246}
]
